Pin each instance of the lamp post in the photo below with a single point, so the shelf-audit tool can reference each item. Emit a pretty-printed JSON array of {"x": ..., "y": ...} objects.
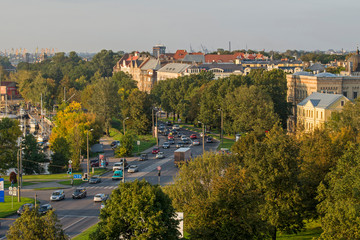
[
  {"x": 156, "y": 130},
  {"x": 124, "y": 124},
  {"x": 203, "y": 136},
  {"x": 222, "y": 125},
  {"x": 87, "y": 143}
]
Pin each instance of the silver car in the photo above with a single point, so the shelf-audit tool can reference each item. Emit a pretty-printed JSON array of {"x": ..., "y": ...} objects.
[
  {"x": 57, "y": 195},
  {"x": 99, "y": 197},
  {"x": 133, "y": 168}
]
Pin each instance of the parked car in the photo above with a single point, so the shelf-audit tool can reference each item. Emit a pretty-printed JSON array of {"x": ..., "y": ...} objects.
[
  {"x": 169, "y": 123},
  {"x": 187, "y": 141},
  {"x": 43, "y": 209},
  {"x": 209, "y": 140},
  {"x": 79, "y": 193},
  {"x": 180, "y": 144},
  {"x": 57, "y": 195},
  {"x": 24, "y": 206},
  {"x": 160, "y": 155},
  {"x": 195, "y": 142},
  {"x": 118, "y": 174},
  {"x": 176, "y": 127},
  {"x": 115, "y": 143},
  {"x": 171, "y": 141},
  {"x": 133, "y": 168},
  {"x": 96, "y": 163},
  {"x": 144, "y": 157},
  {"x": 119, "y": 165},
  {"x": 155, "y": 150},
  {"x": 170, "y": 137},
  {"x": 166, "y": 145},
  {"x": 193, "y": 136},
  {"x": 99, "y": 197},
  {"x": 95, "y": 179},
  {"x": 183, "y": 137}
]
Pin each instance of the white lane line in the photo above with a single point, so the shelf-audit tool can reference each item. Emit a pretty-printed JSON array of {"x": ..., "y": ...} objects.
[
  {"x": 153, "y": 167},
  {"x": 77, "y": 216},
  {"x": 74, "y": 223},
  {"x": 63, "y": 217}
]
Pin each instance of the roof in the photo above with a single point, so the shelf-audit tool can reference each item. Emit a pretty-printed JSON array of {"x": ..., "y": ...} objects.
[
  {"x": 321, "y": 100},
  {"x": 209, "y": 58},
  {"x": 325, "y": 74},
  {"x": 151, "y": 64},
  {"x": 303, "y": 73},
  {"x": 230, "y": 67},
  {"x": 174, "y": 67},
  {"x": 180, "y": 54},
  {"x": 317, "y": 67},
  {"x": 194, "y": 58}
]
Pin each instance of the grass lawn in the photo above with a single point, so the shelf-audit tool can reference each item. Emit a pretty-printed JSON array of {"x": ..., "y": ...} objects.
[
  {"x": 227, "y": 143},
  {"x": 68, "y": 182},
  {"x": 146, "y": 142},
  {"x": 7, "y": 184},
  {"x": 115, "y": 134},
  {"x": 85, "y": 235},
  {"x": 313, "y": 229},
  {"x": 5, "y": 208}
]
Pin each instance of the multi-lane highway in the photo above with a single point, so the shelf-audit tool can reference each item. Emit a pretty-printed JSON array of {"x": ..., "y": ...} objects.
[{"x": 76, "y": 215}]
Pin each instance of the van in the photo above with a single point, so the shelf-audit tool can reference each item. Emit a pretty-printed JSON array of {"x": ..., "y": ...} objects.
[{"x": 118, "y": 174}]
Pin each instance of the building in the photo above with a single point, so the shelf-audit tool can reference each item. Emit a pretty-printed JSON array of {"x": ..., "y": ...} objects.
[
  {"x": 172, "y": 70},
  {"x": 316, "y": 109},
  {"x": 219, "y": 70},
  {"x": 302, "y": 84},
  {"x": 353, "y": 65},
  {"x": 8, "y": 90},
  {"x": 148, "y": 75},
  {"x": 158, "y": 50}
]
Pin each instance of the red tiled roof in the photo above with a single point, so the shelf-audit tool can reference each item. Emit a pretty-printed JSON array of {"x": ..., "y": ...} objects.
[
  {"x": 209, "y": 58},
  {"x": 196, "y": 53},
  {"x": 180, "y": 54}
]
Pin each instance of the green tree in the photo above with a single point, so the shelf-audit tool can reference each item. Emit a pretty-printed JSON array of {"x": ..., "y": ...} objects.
[
  {"x": 218, "y": 199},
  {"x": 61, "y": 155},
  {"x": 273, "y": 164},
  {"x": 127, "y": 145},
  {"x": 9, "y": 133},
  {"x": 339, "y": 198},
  {"x": 32, "y": 226},
  {"x": 137, "y": 210},
  {"x": 32, "y": 157}
]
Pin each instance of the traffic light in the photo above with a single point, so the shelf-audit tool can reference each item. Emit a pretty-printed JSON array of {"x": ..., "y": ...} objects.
[
  {"x": 69, "y": 171},
  {"x": 85, "y": 178}
]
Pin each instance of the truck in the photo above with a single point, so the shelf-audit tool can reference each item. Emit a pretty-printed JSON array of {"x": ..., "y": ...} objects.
[{"x": 181, "y": 156}]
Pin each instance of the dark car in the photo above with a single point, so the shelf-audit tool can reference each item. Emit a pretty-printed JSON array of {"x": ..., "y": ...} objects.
[
  {"x": 30, "y": 206},
  {"x": 169, "y": 123},
  {"x": 209, "y": 140},
  {"x": 166, "y": 145},
  {"x": 95, "y": 179},
  {"x": 79, "y": 193},
  {"x": 43, "y": 209},
  {"x": 96, "y": 163},
  {"x": 115, "y": 143},
  {"x": 171, "y": 141},
  {"x": 180, "y": 144},
  {"x": 143, "y": 157}
]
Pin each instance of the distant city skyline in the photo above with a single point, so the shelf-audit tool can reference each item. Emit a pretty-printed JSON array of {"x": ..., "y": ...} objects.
[{"x": 90, "y": 25}]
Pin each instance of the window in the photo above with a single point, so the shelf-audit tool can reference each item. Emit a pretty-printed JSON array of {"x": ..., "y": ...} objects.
[
  {"x": 321, "y": 116},
  {"x": 317, "y": 114},
  {"x": 345, "y": 94},
  {"x": 342, "y": 103},
  {"x": 355, "y": 95}
]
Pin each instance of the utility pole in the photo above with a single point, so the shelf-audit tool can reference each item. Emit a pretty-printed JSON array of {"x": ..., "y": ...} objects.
[
  {"x": 203, "y": 130},
  {"x": 156, "y": 130},
  {"x": 123, "y": 169},
  {"x": 152, "y": 126},
  {"x": 64, "y": 94},
  {"x": 222, "y": 125},
  {"x": 124, "y": 124}
]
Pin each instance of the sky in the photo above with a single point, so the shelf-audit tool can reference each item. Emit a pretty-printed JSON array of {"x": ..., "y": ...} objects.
[{"x": 93, "y": 25}]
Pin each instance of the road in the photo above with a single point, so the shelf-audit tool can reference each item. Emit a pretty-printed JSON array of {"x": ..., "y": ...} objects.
[{"x": 79, "y": 214}]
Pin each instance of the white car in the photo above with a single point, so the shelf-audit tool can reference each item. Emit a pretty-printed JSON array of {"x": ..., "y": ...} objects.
[
  {"x": 183, "y": 138},
  {"x": 133, "y": 168},
  {"x": 57, "y": 195},
  {"x": 99, "y": 197},
  {"x": 176, "y": 127},
  {"x": 160, "y": 155},
  {"x": 195, "y": 142}
]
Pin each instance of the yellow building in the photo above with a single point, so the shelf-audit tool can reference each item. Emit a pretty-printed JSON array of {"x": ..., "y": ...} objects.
[{"x": 317, "y": 108}]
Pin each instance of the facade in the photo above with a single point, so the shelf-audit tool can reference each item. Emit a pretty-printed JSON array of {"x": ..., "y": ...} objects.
[
  {"x": 158, "y": 50},
  {"x": 219, "y": 70},
  {"x": 172, "y": 70},
  {"x": 317, "y": 108},
  {"x": 302, "y": 84}
]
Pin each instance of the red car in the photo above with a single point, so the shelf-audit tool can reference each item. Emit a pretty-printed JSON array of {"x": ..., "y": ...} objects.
[
  {"x": 193, "y": 136},
  {"x": 170, "y": 137},
  {"x": 155, "y": 150}
]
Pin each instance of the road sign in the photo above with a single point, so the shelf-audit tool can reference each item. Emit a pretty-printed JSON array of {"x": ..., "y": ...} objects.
[
  {"x": 70, "y": 162},
  {"x": 138, "y": 143},
  {"x": 2, "y": 193},
  {"x": 77, "y": 176},
  {"x": 159, "y": 168},
  {"x": 12, "y": 191}
]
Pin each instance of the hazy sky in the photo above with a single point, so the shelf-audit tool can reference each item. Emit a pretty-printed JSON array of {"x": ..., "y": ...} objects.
[{"x": 92, "y": 25}]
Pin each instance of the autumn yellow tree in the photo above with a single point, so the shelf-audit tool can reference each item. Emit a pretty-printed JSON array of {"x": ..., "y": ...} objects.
[{"x": 73, "y": 124}]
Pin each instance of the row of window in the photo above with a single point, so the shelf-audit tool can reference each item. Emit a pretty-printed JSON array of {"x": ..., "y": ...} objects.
[
  {"x": 355, "y": 94},
  {"x": 310, "y": 113}
]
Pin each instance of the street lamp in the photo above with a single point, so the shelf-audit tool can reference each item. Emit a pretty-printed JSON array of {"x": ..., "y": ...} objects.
[
  {"x": 203, "y": 136},
  {"x": 124, "y": 123},
  {"x": 222, "y": 125},
  {"x": 87, "y": 143}
]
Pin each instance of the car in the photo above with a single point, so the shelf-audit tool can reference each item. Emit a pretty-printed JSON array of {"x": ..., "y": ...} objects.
[
  {"x": 96, "y": 163},
  {"x": 180, "y": 144},
  {"x": 114, "y": 143},
  {"x": 133, "y": 168},
  {"x": 57, "y": 195},
  {"x": 79, "y": 193},
  {"x": 144, "y": 157},
  {"x": 43, "y": 209},
  {"x": 193, "y": 136},
  {"x": 119, "y": 165},
  {"x": 118, "y": 174},
  {"x": 103, "y": 203},
  {"x": 179, "y": 134},
  {"x": 99, "y": 197},
  {"x": 176, "y": 127},
  {"x": 166, "y": 145},
  {"x": 201, "y": 135},
  {"x": 187, "y": 141},
  {"x": 95, "y": 179},
  {"x": 209, "y": 140},
  {"x": 169, "y": 123},
  {"x": 159, "y": 155},
  {"x": 183, "y": 137},
  {"x": 24, "y": 206},
  {"x": 155, "y": 150},
  {"x": 170, "y": 137},
  {"x": 195, "y": 142},
  {"x": 173, "y": 131},
  {"x": 171, "y": 141}
]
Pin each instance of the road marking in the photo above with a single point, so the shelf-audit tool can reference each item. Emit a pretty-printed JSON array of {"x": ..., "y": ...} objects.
[
  {"x": 153, "y": 167},
  {"x": 77, "y": 216},
  {"x": 74, "y": 223}
]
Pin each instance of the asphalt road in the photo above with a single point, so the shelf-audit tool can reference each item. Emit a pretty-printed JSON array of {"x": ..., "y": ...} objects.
[{"x": 76, "y": 215}]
